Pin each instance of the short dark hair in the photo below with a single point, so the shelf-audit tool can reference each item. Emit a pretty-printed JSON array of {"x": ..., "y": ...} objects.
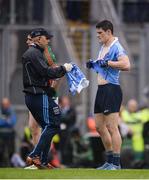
[{"x": 105, "y": 25}]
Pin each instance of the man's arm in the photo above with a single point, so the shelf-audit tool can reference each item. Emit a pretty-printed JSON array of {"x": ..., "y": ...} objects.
[
  {"x": 56, "y": 72},
  {"x": 43, "y": 69},
  {"x": 123, "y": 63}
]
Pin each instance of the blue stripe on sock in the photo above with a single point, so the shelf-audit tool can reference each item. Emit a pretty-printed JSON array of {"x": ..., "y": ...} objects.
[{"x": 116, "y": 159}]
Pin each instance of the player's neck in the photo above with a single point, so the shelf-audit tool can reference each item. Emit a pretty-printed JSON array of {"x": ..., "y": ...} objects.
[{"x": 109, "y": 41}]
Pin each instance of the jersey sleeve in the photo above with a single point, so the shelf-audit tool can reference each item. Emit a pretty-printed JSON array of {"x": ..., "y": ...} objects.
[{"x": 120, "y": 51}]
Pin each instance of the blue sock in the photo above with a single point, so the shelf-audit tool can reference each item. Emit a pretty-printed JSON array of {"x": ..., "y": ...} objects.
[
  {"x": 116, "y": 159},
  {"x": 109, "y": 156}
]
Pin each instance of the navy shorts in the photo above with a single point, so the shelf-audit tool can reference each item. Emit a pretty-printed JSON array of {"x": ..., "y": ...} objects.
[
  {"x": 44, "y": 109},
  {"x": 108, "y": 99}
]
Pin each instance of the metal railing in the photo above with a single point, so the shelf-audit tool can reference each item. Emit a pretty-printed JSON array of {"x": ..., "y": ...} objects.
[{"x": 60, "y": 21}]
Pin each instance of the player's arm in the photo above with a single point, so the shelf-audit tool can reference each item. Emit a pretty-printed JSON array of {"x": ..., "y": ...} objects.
[{"x": 123, "y": 63}]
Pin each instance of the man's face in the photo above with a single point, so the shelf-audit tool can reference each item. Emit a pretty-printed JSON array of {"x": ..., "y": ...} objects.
[
  {"x": 29, "y": 40},
  {"x": 5, "y": 106},
  {"x": 43, "y": 41},
  {"x": 132, "y": 105},
  {"x": 65, "y": 101},
  {"x": 102, "y": 35}
]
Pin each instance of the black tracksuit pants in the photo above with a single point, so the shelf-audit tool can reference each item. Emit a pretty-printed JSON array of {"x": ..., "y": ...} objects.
[{"x": 47, "y": 113}]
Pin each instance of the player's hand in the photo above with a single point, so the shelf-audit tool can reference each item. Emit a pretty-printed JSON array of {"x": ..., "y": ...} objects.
[
  {"x": 89, "y": 65},
  {"x": 68, "y": 67},
  {"x": 103, "y": 63}
]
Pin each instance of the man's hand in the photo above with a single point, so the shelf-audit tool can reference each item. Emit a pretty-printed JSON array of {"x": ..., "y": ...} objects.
[
  {"x": 103, "y": 63},
  {"x": 68, "y": 67},
  {"x": 89, "y": 65}
]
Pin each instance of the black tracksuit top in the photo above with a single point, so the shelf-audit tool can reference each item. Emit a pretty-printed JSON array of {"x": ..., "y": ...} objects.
[{"x": 36, "y": 72}]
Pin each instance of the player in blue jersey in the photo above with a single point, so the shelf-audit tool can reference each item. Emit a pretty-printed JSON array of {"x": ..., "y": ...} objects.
[{"x": 111, "y": 59}]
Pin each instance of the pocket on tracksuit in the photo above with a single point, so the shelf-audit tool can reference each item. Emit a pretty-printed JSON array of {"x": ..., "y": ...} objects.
[{"x": 54, "y": 112}]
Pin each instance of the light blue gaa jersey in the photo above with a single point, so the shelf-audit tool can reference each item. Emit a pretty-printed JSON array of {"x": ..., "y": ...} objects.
[
  {"x": 108, "y": 73},
  {"x": 76, "y": 80}
]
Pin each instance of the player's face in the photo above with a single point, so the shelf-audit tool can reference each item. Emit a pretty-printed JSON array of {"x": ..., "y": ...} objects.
[
  {"x": 29, "y": 40},
  {"x": 102, "y": 35}
]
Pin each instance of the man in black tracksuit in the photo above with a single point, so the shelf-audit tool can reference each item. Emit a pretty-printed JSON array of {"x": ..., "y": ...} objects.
[{"x": 38, "y": 95}]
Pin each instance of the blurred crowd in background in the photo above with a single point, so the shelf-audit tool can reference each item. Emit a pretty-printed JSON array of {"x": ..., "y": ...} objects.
[{"x": 71, "y": 147}]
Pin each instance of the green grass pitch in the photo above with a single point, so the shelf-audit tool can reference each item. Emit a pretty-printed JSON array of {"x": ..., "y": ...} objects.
[{"x": 14, "y": 173}]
